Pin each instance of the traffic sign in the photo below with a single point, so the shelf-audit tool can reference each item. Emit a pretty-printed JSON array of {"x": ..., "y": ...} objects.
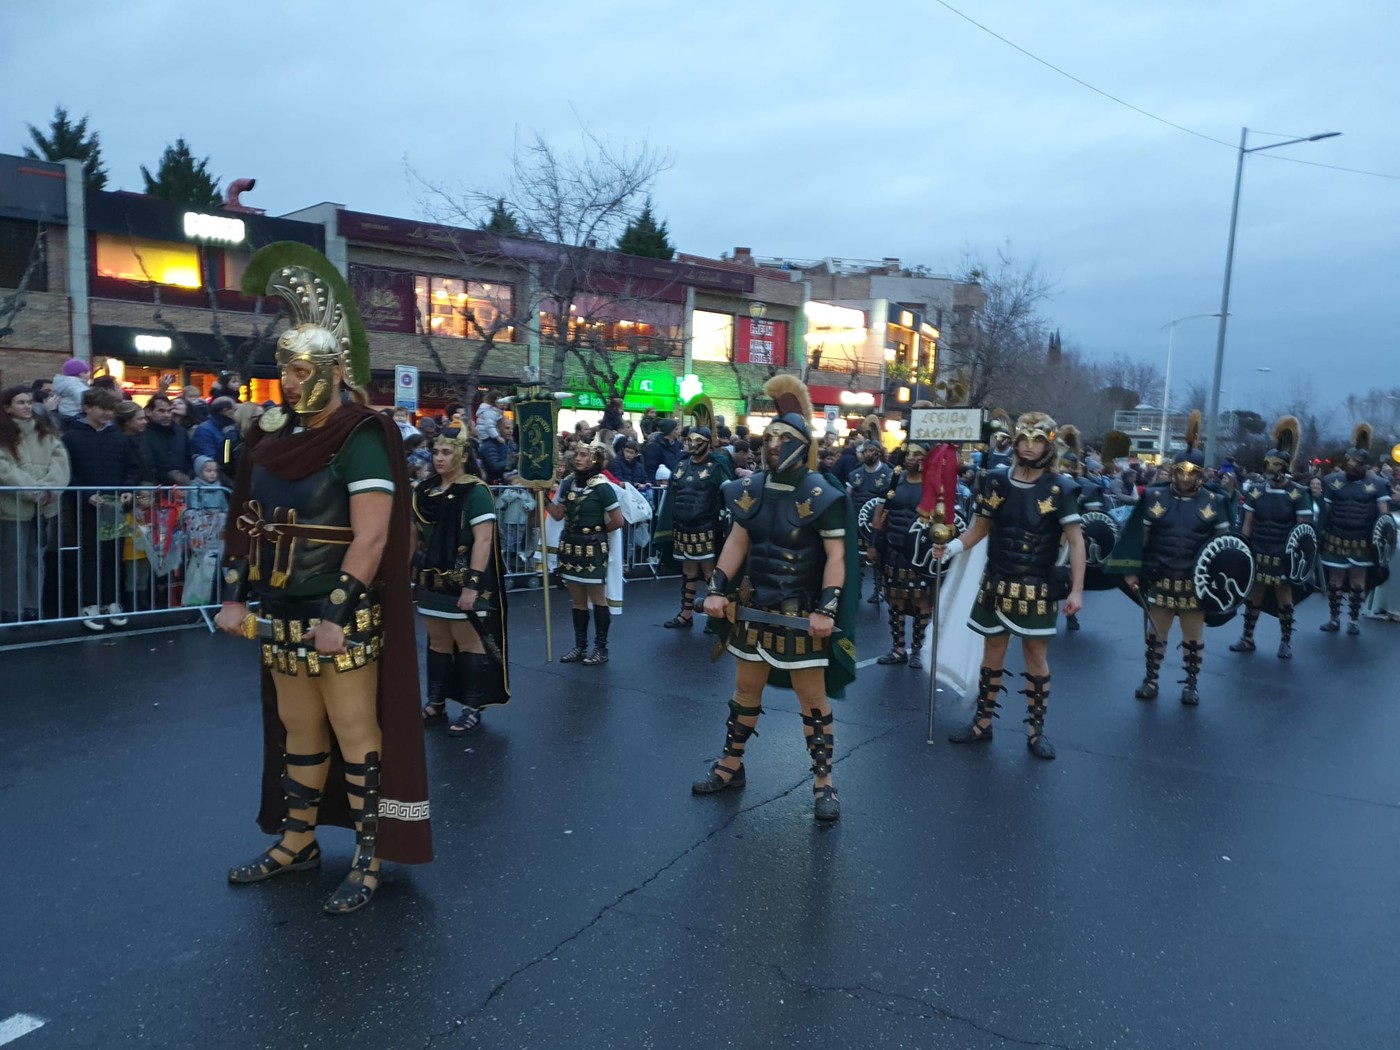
[{"x": 406, "y": 387}]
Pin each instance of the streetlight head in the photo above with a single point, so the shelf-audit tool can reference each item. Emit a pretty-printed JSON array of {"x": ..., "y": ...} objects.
[{"x": 1324, "y": 135}]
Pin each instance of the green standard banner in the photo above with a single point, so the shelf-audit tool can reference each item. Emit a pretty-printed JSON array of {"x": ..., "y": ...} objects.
[{"x": 535, "y": 427}]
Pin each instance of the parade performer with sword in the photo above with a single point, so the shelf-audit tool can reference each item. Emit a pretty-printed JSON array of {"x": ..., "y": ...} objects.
[
  {"x": 1023, "y": 512},
  {"x": 459, "y": 586},
  {"x": 319, "y": 536},
  {"x": 782, "y": 597}
]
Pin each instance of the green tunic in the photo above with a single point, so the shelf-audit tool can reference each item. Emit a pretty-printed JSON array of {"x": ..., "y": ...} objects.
[{"x": 583, "y": 547}]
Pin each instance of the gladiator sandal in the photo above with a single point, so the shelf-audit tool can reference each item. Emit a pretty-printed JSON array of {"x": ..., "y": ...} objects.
[
  {"x": 686, "y": 617},
  {"x": 471, "y": 668},
  {"x": 736, "y": 738},
  {"x": 875, "y": 575},
  {"x": 303, "y": 799},
  {"x": 602, "y": 620},
  {"x": 355, "y": 892},
  {"x": 820, "y": 741},
  {"x": 580, "y": 649},
  {"x": 1155, "y": 652},
  {"x": 1037, "y": 694},
  {"x": 980, "y": 729},
  {"x": 1334, "y": 609},
  {"x": 1285, "y": 628},
  {"x": 1251, "y": 617},
  {"x": 1192, "y": 663},
  {"x": 916, "y": 645},
  {"x": 897, "y": 655},
  {"x": 439, "y": 666},
  {"x": 1354, "y": 599}
]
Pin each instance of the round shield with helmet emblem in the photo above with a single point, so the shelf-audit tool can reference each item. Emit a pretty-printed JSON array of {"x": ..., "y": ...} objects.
[
  {"x": 1383, "y": 539},
  {"x": 922, "y": 543},
  {"x": 1301, "y": 551},
  {"x": 1224, "y": 574},
  {"x": 1100, "y": 534},
  {"x": 865, "y": 519}
]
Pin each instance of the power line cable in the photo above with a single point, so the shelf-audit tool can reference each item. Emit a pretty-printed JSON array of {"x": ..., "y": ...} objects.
[{"x": 1139, "y": 110}]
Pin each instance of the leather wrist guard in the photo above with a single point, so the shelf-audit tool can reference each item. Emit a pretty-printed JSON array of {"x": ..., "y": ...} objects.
[
  {"x": 473, "y": 580},
  {"x": 719, "y": 583},
  {"x": 236, "y": 581},
  {"x": 339, "y": 606},
  {"x": 828, "y": 601}
]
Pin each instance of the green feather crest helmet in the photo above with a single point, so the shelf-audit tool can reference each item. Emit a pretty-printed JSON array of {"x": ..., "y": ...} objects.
[{"x": 326, "y": 328}]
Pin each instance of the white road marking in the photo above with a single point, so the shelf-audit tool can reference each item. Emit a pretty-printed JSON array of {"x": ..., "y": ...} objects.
[{"x": 20, "y": 1024}]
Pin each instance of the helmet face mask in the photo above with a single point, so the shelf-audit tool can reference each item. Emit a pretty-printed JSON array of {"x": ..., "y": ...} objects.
[
  {"x": 698, "y": 444},
  {"x": 785, "y": 447},
  {"x": 317, "y": 349},
  {"x": 1187, "y": 478},
  {"x": 1275, "y": 468}
]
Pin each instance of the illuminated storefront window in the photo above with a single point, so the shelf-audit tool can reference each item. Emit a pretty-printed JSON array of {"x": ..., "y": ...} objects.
[
  {"x": 836, "y": 336},
  {"x": 714, "y": 336},
  {"x": 462, "y": 309},
  {"x": 652, "y": 328},
  {"x": 153, "y": 262}
]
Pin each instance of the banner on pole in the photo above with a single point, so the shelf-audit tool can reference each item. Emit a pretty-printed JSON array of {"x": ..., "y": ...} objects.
[
  {"x": 945, "y": 424},
  {"x": 535, "y": 428}
]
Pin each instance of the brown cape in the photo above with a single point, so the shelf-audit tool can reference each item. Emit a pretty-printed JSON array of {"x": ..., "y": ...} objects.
[{"x": 405, "y": 835}]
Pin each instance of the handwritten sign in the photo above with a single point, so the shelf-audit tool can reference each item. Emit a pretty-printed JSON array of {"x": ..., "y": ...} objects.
[{"x": 945, "y": 424}]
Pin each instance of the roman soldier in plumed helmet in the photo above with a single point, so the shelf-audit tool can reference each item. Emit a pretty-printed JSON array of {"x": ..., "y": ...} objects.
[
  {"x": 696, "y": 506},
  {"x": 908, "y": 591},
  {"x": 1024, "y": 513},
  {"x": 1000, "y": 452},
  {"x": 589, "y": 507},
  {"x": 782, "y": 595},
  {"x": 1353, "y": 501},
  {"x": 1093, "y": 499},
  {"x": 1177, "y": 520},
  {"x": 1273, "y": 512},
  {"x": 318, "y": 538},
  {"x": 459, "y": 593}
]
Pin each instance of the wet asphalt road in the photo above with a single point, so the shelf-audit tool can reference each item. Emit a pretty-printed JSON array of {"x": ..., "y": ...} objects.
[{"x": 1217, "y": 877}]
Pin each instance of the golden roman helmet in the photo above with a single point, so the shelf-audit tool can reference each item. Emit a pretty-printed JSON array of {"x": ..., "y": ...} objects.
[
  {"x": 791, "y": 430},
  {"x": 1036, "y": 426},
  {"x": 457, "y": 438},
  {"x": 326, "y": 330}
]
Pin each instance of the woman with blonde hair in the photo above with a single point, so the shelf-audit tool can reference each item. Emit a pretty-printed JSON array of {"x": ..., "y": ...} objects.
[{"x": 32, "y": 458}]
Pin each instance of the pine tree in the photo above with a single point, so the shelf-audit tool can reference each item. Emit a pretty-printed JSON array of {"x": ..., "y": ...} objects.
[
  {"x": 182, "y": 178},
  {"x": 644, "y": 237},
  {"x": 502, "y": 221},
  {"x": 67, "y": 140}
]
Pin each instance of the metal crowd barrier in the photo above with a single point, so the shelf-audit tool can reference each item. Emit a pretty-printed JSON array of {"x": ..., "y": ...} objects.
[
  {"x": 518, "y": 520},
  {"x": 104, "y": 556}
]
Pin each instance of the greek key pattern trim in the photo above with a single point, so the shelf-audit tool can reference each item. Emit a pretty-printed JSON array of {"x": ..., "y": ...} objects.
[{"x": 393, "y": 809}]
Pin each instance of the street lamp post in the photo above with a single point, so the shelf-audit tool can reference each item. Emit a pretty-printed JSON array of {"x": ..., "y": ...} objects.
[
  {"x": 1213, "y": 417},
  {"x": 1170, "y": 326}
]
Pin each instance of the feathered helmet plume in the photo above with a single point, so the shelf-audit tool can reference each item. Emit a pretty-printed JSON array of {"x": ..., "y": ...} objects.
[
  {"x": 794, "y": 414},
  {"x": 1192, "y": 457},
  {"x": 1285, "y": 451},
  {"x": 1070, "y": 450},
  {"x": 1360, "y": 443}
]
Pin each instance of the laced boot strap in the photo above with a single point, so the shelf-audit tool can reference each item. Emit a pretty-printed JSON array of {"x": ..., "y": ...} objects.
[
  {"x": 820, "y": 741},
  {"x": 602, "y": 623},
  {"x": 896, "y": 620},
  {"x": 1156, "y": 652},
  {"x": 300, "y": 796},
  {"x": 689, "y": 585},
  {"x": 1334, "y": 601},
  {"x": 988, "y": 686},
  {"x": 1355, "y": 597},
  {"x": 1191, "y": 661},
  {"x": 1251, "y": 617},
  {"x": 1285, "y": 623},
  {"x": 367, "y": 815},
  {"x": 736, "y": 733},
  {"x": 921, "y": 622},
  {"x": 439, "y": 667},
  {"x": 581, "y": 628},
  {"x": 1037, "y": 694}
]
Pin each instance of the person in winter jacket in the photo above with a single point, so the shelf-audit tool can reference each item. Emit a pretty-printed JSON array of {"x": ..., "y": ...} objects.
[
  {"x": 70, "y": 384},
  {"x": 629, "y": 467},
  {"x": 662, "y": 449},
  {"x": 33, "y": 457},
  {"x": 169, "y": 442},
  {"x": 218, "y": 435},
  {"x": 206, "y": 491}
]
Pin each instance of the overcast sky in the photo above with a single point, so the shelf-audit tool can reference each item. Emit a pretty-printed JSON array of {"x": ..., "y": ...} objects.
[{"x": 858, "y": 130}]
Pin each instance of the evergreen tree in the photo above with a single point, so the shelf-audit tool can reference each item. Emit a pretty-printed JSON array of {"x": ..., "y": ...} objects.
[
  {"x": 67, "y": 140},
  {"x": 644, "y": 237},
  {"x": 502, "y": 221},
  {"x": 182, "y": 178}
]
